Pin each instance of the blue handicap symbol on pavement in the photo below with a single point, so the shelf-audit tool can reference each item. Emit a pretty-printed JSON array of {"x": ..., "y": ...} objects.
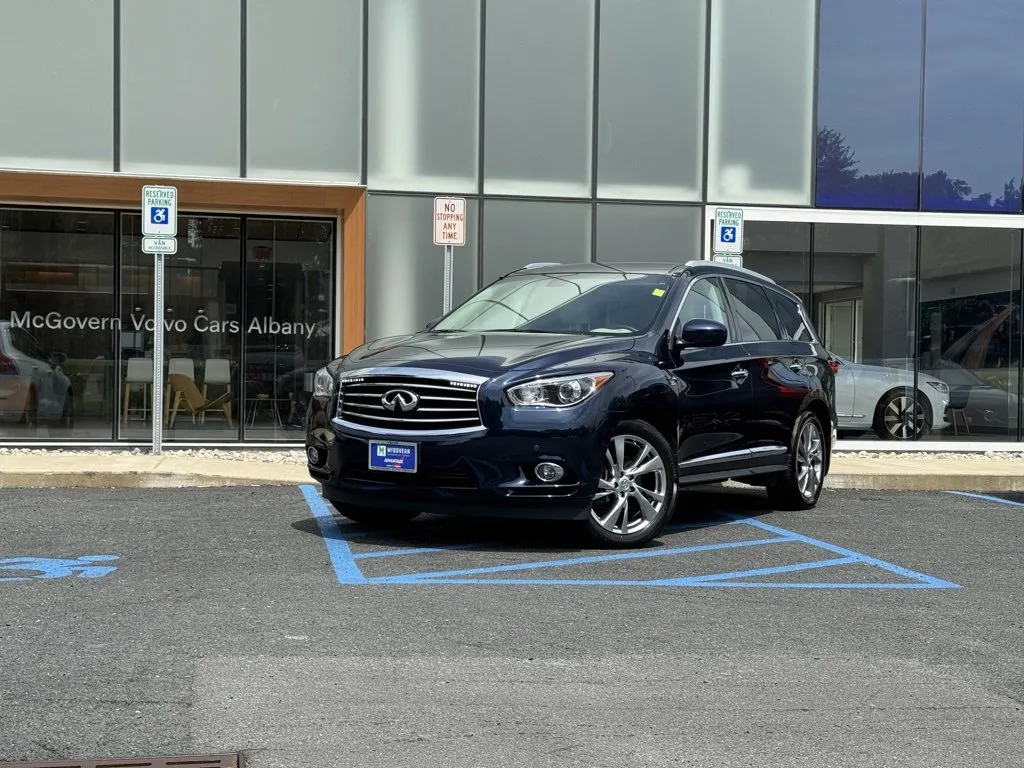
[
  {"x": 884, "y": 575},
  {"x": 159, "y": 215},
  {"x": 728, "y": 235},
  {"x": 57, "y": 568}
]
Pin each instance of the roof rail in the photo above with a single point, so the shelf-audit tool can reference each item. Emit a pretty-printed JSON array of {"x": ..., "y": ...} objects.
[
  {"x": 542, "y": 264},
  {"x": 733, "y": 267}
]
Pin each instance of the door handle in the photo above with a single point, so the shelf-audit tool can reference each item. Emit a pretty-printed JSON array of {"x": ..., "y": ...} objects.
[{"x": 740, "y": 374}]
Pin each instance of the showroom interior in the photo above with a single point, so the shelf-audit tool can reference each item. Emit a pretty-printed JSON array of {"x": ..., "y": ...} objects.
[{"x": 876, "y": 148}]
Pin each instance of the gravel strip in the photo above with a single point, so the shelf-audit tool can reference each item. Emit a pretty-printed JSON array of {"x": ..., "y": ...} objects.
[
  {"x": 297, "y": 455},
  {"x": 283, "y": 456}
]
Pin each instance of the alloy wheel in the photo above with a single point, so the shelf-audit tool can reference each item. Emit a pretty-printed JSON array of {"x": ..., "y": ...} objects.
[
  {"x": 903, "y": 417},
  {"x": 633, "y": 486},
  {"x": 810, "y": 460}
]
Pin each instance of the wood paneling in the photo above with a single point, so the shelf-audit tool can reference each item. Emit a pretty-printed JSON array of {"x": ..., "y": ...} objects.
[{"x": 345, "y": 204}]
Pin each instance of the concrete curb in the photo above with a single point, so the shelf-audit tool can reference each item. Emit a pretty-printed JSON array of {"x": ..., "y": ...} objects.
[{"x": 914, "y": 482}]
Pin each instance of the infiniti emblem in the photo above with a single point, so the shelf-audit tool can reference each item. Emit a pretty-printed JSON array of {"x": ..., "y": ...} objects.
[{"x": 400, "y": 400}]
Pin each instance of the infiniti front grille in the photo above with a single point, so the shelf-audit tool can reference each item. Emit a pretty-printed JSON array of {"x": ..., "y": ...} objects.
[{"x": 408, "y": 403}]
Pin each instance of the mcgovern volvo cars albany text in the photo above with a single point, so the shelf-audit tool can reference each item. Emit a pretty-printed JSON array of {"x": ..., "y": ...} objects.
[{"x": 587, "y": 392}]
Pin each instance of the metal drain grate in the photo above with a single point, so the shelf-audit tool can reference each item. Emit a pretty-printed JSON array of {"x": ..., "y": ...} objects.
[{"x": 179, "y": 761}]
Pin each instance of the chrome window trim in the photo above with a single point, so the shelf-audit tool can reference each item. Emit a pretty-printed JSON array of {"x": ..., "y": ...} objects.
[
  {"x": 682, "y": 300},
  {"x": 423, "y": 373}
]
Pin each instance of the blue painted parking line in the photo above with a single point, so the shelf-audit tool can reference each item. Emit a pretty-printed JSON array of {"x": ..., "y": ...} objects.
[
  {"x": 347, "y": 570},
  {"x": 345, "y": 567},
  {"x": 986, "y": 497}
]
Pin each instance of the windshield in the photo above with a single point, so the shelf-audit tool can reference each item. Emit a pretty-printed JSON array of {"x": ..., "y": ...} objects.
[{"x": 579, "y": 303}]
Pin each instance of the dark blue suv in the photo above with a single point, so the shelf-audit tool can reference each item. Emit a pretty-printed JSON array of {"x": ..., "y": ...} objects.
[{"x": 587, "y": 392}]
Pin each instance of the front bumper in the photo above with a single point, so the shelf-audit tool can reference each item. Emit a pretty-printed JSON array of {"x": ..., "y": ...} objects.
[{"x": 488, "y": 475}]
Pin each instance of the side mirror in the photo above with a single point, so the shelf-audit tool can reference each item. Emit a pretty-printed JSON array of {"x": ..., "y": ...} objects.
[
  {"x": 702, "y": 333},
  {"x": 58, "y": 358},
  {"x": 431, "y": 323}
]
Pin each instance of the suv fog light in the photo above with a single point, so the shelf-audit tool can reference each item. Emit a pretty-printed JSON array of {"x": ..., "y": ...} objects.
[
  {"x": 313, "y": 454},
  {"x": 548, "y": 472}
]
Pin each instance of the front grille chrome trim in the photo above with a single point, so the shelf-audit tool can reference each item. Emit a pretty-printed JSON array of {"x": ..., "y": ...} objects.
[{"x": 450, "y": 403}]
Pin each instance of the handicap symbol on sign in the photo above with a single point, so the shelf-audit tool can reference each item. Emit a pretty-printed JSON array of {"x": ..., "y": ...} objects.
[
  {"x": 57, "y": 568},
  {"x": 158, "y": 215},
  {"x": 728, "y": 235}
]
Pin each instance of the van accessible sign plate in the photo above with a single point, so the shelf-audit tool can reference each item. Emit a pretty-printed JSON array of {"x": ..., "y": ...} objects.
[
  {"x": 159, "y": 212},
  {"x": 728, "y": 230},
  {"x": 159, "y": 245}
]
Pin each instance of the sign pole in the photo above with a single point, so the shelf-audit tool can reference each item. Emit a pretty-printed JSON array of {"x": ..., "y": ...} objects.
[
  {"x": 158, "y": 353},
  {"x": 159, "y": 237},
  {"x": 449, "y": 231},
  {"x": 449, "y": 258}
]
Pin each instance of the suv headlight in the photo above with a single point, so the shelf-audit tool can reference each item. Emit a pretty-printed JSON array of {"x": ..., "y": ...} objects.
[
  {"x": 941, "y": 386},
  {"x": 323, "y": 383},
  {"x": 558, "y": 392}
]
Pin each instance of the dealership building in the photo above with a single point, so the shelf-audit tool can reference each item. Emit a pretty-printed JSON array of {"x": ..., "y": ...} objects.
[{"x": 875, "y": 148}]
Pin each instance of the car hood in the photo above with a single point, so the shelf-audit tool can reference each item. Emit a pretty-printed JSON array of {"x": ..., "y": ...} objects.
[{"x": 486, "y": 354}]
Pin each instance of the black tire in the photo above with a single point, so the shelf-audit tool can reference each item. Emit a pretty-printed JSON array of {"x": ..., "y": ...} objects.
[
  {"x": 382, "y": 518},
  {"x": 627, "y": 501},
  {"x": 901, "y": 416},
  {"x": 787, "y": 490}
]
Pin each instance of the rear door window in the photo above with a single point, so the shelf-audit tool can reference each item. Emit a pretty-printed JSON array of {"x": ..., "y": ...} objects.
[
  {"x": 755, "y": 318},
  {"x": 793, "y": 324}
]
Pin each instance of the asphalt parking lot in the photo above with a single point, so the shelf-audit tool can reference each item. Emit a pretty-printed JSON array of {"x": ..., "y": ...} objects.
[{"x": 878, "y": 629}]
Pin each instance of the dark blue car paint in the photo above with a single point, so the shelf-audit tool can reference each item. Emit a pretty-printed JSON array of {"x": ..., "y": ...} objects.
[{"x": 691, "y": 396}]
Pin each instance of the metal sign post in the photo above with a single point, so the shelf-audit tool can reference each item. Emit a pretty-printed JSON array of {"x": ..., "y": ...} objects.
[
  {"x": 159, "y": 237},
  {"x": 449, "y": 231},
  {"x": 728, "y": 236}
]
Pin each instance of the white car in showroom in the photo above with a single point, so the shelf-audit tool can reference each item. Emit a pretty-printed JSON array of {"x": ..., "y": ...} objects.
[
  {"x": 33, "y": 388},
  {"x": 875, "y": 398}
]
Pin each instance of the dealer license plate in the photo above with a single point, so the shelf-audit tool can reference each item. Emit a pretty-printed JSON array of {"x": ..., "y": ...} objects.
[{"x": 393, "y": 457}]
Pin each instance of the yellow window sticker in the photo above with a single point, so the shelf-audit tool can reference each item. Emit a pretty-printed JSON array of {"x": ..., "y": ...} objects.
[{"x": 658, "y": 292}]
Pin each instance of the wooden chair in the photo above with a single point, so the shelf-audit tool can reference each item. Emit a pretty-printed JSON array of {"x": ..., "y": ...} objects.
[{"x": 187, "y": 393}]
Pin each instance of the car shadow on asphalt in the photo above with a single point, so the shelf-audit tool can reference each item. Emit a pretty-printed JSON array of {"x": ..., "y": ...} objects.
[{"x": 703, "y": 507}]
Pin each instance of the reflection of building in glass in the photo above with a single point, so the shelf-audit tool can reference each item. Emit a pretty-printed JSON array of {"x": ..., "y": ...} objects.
[{"x": 877, "y": 149}]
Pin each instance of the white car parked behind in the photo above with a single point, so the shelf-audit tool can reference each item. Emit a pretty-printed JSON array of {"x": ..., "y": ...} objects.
[{"x": 881, "y": 399}]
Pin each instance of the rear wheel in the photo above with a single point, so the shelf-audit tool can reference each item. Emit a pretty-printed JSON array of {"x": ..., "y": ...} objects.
[
  {"x": 800, "y": 485},
  {"x": 375, "y": 517},
  {"x": 901, "y": 416},
  {"x": 637, "y": 489}
]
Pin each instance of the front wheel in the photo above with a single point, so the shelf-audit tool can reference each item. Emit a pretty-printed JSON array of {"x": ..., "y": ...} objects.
[
  {"x": 382, "y": 518},
  {"x": 800, "y": 485},
  {"x": 637, "y": 489}
]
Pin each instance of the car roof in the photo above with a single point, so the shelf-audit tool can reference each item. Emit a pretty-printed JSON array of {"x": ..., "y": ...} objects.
[{"x": 694, "y": 266}]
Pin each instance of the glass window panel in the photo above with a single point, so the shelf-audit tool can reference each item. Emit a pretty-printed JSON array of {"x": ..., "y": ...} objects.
[
  {"x": 304, "y": 89},
  {"x": 974, "y": 106},
  {"x": 289, "y": 290},
  {"x": 538, "y": 110},
  {"x": 636, "y": 233},
  {"x": 761, "y": 89},
  {"x": 863, "y": 310},
  {"x": 186, "y": 121},
  {"x": 651, "y": 125},
  {"x": 518, "y": 232},
  {"x": 405, "y": 270},
  {"x": 755, "y": 318},
  {"x": 781, "y": 251},
  {"x": 57, "y": 93},
  {"x": 57, "y": 324},
  {"x": 704, "y": 301},
  {"x": 202, "y": 330},
  {"x": 869, "y": 101},
  {"x": 424, "y": 95},
  {"x": 970, "y": 321}
]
